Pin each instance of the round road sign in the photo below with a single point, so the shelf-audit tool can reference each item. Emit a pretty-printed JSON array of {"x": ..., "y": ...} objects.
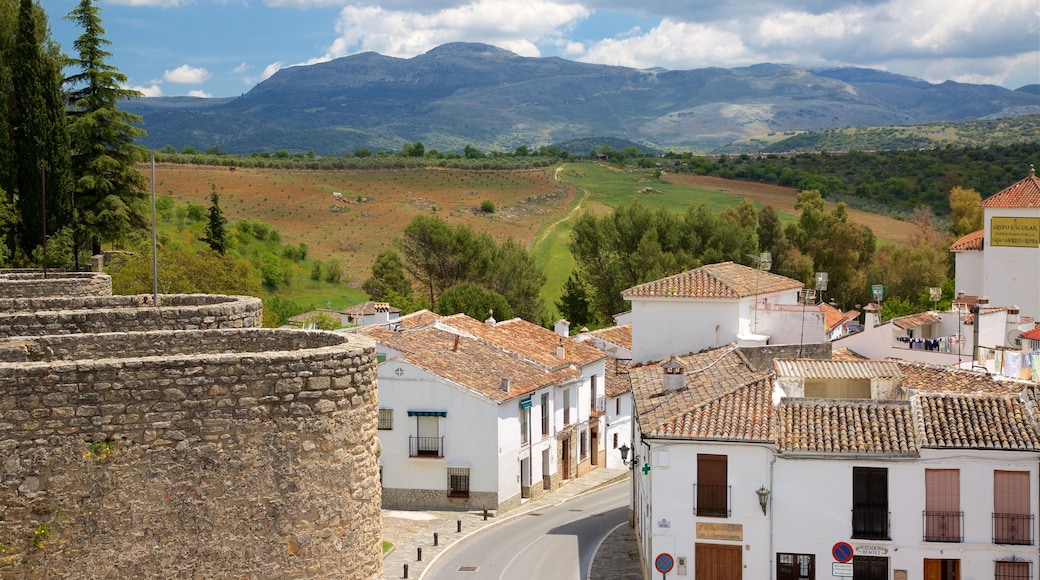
[
  {"x": 842, "y": 552},
  {"x": 664, "y": 562}
]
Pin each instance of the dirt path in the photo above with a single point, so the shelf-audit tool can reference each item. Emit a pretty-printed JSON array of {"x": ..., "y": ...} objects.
[{"x": 570, "y": 214}]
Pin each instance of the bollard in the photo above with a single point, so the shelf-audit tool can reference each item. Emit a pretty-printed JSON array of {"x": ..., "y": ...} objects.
[
  {"x": 458, "y": 526},
  {"x": 485, "y": 514},
  {"x": 435, "y": 538},
  {"x": 418, "y": 554},
  {"x": 406, "y": 570}
]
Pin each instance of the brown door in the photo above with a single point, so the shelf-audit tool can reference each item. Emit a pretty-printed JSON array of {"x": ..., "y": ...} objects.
[
  {"x": 565, "y": 452},
  {"x": 717, "y": 562},
  {"x": 795, "y": 567},
  {"x": 942, "y": 569},
  {"x": 594, "y": 453}
]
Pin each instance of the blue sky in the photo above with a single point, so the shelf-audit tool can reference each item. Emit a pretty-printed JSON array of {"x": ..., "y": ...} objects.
[{"x": 221, "y": 48}]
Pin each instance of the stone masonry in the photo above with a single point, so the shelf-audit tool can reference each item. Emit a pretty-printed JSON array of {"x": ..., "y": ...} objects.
[{"x": 34, "y": 283}]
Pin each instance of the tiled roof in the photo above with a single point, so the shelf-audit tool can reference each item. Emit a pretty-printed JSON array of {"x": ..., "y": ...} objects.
[
  {"x": 954, "y": 421},
  {"x": 844, "y": 426},
  {"x": 468, "y": 362},
  {"x": 620, "y": 335},
  {"x": 1025, "y": 193},
  {"x": 832, "y": 317},
  {"x": 742, "y": 414},
  {"x": 712, "y": 381},
  {"x": 1032, "y": 334},
  {"x": 916, "y": 320},
  {"x": 969, "y": 242},
  {"x": 415, "y": 320},
  {"x": 723, "y": 280},
  {"x": 925, "y": 377},
  {"x": 616, "y": 379},
  {"x": 302, "y": 318},
  {"x": 526, "y": 340},
  {"x": 836, "y": 369},
  {"x": 368, "y": 308},
  {"x": 846, "y": 354}
]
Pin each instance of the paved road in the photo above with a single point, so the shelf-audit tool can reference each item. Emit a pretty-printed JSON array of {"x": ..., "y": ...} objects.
[{"x": 552, "y": 542}]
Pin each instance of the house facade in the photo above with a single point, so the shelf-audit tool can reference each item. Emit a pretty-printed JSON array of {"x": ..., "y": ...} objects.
[
  {"x": 616, "y": 342},
  {"x": 482, "y": 414}
]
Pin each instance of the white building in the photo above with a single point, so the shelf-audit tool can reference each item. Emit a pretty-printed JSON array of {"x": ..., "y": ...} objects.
[
  {"x": 616, "y": 341},
  {"x": 483, "y": 415},
  {"x": 715, "y": 305},
  {"x": 887, "y": 471},
  {"x": 1002, "y": 261}
]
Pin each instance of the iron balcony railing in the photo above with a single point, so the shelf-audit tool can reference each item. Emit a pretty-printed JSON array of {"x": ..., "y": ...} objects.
[
  {"x": 943, "y": 526},
  {"x": 871, "y": 524},
  {"x": 426, "y": 446},
  {"x": 711, "y": 500},
  {"x": 1016, "y": 529},
  {"x": 599, "y": 406}
]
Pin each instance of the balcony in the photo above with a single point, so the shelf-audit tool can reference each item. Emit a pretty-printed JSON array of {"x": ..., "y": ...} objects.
[
  {"x": 426, "y": 446},
  {"x": 871, "y": 524},
  {"x": 599, "y": 407},
  {"x": 1013, "y": 529},
  {"x": 943, "y": 526},
  {"x": 711, "y": 500}
]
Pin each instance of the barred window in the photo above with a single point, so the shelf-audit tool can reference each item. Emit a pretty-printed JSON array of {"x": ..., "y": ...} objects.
[
  {"x": 1013, "y": 570},
  {"x": 458, "y": 482},
  {"x": 386, "y": 419}
]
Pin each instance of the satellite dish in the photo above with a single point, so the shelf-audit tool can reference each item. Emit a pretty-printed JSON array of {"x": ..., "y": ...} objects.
[
  {"x": 935, "y": 294},
  {"x": 1014, "y": 337},
  {"x": 821, "y": 281}
]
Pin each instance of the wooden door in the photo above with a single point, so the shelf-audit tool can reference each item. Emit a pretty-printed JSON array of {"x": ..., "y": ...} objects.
[
  {"x": 565, "y": 453},
  {"x": 717, "y": 562}
]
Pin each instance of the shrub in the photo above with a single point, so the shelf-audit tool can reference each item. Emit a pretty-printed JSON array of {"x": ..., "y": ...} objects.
[{"x": 487, "y": 206}]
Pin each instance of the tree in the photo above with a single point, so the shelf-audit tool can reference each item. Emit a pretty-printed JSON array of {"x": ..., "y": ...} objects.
[
  {"x": 388, "y": 275},
  {"x": 966, "y": 211},
  {"x": 110, "y": 191},
  {"x": 439, "y": 256},
  {"x": 216, "y": 225},
  {"x": 574, "y": 303},
  {"x": 473, "y": 301},
  {"x": 513, "y": 273},
  {"x": 39, "y": 132},
  {"x": 185, "y": 272}
]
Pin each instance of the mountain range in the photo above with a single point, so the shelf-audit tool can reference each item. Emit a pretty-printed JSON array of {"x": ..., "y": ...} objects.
[{"x": 474, "y": 94}]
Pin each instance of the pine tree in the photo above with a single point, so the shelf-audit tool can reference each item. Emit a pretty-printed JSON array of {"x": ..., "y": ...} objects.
[
  {"x": 39, "y": 136},
  {"x": 216, "y": 226},
  {"x": 110, "y": 191}
]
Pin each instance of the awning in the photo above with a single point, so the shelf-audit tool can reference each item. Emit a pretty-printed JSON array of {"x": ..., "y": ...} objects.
[{"x": 427, "y": 413}]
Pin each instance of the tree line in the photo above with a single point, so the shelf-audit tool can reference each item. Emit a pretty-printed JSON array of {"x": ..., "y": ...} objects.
[{"x": 67, "y": 153}]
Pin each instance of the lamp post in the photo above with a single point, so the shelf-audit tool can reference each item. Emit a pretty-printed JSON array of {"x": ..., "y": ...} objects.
[
  {"x": 624, "y": 449},
  {"x": 763, "y": 498}
]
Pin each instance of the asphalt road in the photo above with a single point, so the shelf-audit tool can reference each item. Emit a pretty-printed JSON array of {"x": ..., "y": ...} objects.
[{"x": 553, "y": 543}]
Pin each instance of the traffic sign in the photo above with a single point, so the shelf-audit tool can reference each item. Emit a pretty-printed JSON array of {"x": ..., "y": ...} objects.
[
  {"x": 842, "y": 552},
  {"x": 664, "y": 562}
]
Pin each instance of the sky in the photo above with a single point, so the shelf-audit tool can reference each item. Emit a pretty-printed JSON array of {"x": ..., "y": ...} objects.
[{"x": 222, "y": 48}]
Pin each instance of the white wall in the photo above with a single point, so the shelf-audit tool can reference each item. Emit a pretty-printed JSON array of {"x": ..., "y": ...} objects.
[
  {"x": 663, "y": 327},
  {"x": 1011, "y": 275},
  {"x": 619, "y": 424},
  {"x": 968, "y": 272},
  {"x": 792, "y": 324}
]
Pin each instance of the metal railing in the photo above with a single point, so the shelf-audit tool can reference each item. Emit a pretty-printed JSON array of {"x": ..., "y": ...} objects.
[
  {"x": 943, "y": 526},
  {"x": 711, "y": 500},
  {"x": 426, "y": 446},
  {"x": 871, "y": 524},
  {"x": 1015, "y": 529},
  {"x": 599, "y": 406}
]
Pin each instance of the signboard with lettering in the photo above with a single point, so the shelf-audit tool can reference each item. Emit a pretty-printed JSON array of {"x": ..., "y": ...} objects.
[
  {"x": 712, "y": 531},
  {"x": 841, "y": 569},
  {"x": 1017, "y": 232},
  {"x": 871, "y": 550}
]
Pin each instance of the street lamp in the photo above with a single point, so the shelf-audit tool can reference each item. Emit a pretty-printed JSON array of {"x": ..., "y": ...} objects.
[
  {"x": 624, "y": 449},
  {"x": 763, "y": 498}
]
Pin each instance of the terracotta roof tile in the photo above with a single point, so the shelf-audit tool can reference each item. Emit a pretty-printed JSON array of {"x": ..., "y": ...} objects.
[
  {"x": 836, "y": 369},
  {"x": 1032, "y": 334},
  {"x": 723, "y": 280},
  {"x": 969, "y": 242},
  {"x": 1025, "y": 193},
  {"x": 925, "y": 377},
  {"x": 844, "y": 426},
  {"x": 620, "y": 335},
  {"x": 846, "y": 354},
  {"x": 415, "y": 320},
  {"x": 302, "y": 318},
  {"x": 616, "y": 380},
  {"x": 368, "y": 308},
  {"x": 957, "y": 421},
  {"x": 742, "y": 414},
  {"x": 916, "y": 320},
  {"x": 527, "y": 340}
]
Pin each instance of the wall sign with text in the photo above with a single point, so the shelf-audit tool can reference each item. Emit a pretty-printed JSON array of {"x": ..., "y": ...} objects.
[{"x": 1017, "y": 232}]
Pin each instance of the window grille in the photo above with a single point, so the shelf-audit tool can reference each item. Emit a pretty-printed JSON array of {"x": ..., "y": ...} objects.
[
  {"x": 386, "y": 419},
  {"x": 458, "y": 482},
  {"x": 1013, "y": 570}
]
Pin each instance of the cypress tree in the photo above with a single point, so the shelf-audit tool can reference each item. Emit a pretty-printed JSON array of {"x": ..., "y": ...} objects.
[
  {"x": 216, "y": 230},
  {"x": 111, "y": 197}
]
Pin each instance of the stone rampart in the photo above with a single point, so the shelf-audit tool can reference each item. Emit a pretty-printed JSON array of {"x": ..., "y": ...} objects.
[
  {"x": 87, "y": 314},
  {"x": 34, "y": 283},
  {"x": 232, "y": 453}
]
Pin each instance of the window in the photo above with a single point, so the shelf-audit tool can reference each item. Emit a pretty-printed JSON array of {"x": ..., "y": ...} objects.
[
  {"x": 711, "y": 492},
  {"x": 870, "y": 568},
  {"x": 1012, "y": 520},
  {"x": 458, "y": 482},
  {"x": 525, "y": 420},
  {"x": 870, "y": 517},
  {"x": 427, "y": 440},
  {"x": 943, "y": 520},
  {"x": 615, "y": 440},
  {"x": 795, "y": 567},
  {"x": 386, "y": 419},
  {"x": 566, "y": 407},
  {"x": 617, "y": 406},
  {"x": 1013, "y": 570},
  {"x": 583, "y": 443},
  {"x": 545, "y": 414}
]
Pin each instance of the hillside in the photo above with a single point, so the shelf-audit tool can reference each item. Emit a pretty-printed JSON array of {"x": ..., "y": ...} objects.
[{"x": 460, "y": 94}]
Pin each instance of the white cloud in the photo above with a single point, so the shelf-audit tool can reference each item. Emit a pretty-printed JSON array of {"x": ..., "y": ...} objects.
[
  {"x": 152, "y": 90},
  {"x": 265, "y": 74},
  {"x": 187, "y": 75},
  {"x": 241, "y": 68},
  {"x": 197, "y": 93},
  {"x": 502, "y": 23},
  {"x": 153, "y": 3},
  {"x": 671, "y": 44}
]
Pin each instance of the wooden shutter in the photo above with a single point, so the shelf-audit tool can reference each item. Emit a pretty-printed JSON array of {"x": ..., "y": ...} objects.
[
  {"x": 942, "y": 490},
  {"x": 1011, "y": 492}
]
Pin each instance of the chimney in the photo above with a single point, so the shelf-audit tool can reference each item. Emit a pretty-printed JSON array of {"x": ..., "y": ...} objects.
[
  {"x": 562, "y": 327},
  {"x": 561, "y": 352},
  {"x": 455, "y": 347},
  {"x": 491, "y": 317},
  {"x": 505, "y": 385},
  {"x": 674, "y": 375},
  {"x": 1012, "y": 313}
]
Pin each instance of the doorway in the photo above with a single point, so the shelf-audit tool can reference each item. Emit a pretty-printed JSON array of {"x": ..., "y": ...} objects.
[
  {"x": 945, "y": 569},
  {"x": 565, "y": 452},
  {"x": 717, "y": 562}
]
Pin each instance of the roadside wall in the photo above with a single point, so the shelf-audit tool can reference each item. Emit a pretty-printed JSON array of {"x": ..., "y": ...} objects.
[
  {"x": 241, "y": 453},
  {"x": 33, "y": 283}
]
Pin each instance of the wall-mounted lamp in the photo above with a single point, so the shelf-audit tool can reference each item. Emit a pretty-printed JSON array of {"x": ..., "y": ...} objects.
[
  {"x": 763, "y": 498},
  {"x": 624, "y": 449}
]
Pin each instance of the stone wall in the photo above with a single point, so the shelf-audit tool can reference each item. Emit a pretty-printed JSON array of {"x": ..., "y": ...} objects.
[
  {"x": 33, "y": 283},
  {"x": 760, "y": 358},
  {"x": 241, "y": 453},
  {"x": 54, "y": 315},
  {"x": 437, "y": 499}
]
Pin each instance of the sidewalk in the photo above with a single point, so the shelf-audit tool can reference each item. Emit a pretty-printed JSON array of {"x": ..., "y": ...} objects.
[{"x": 410, "y": 531}]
